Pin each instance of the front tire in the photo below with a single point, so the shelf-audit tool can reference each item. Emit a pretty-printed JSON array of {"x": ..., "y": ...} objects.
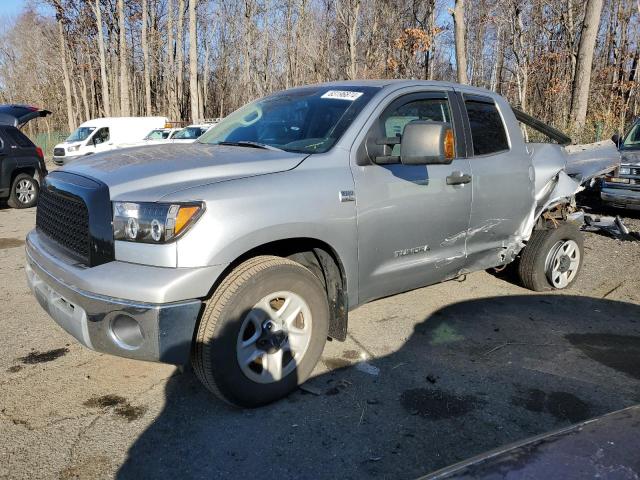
[
  {"x": 24, "y": 191},
  {"x": 552, "y": 258},
  {"x": 262, "y": 332}
]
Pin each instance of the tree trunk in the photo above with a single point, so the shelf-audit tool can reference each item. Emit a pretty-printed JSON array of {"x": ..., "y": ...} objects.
[
  {"x": 106, "y": 105},
  {"x": 145, "y": 55},
  {"x": 170, "y": 72},
  {"x": 65, "y": 72},
  {"x": 193, "y": 62},
  {"x": 582, "y": 82},
  {"x": 180, "y": 55},
  {"x": 461, "y": 47},
  {"x": 124, "y": 70}
]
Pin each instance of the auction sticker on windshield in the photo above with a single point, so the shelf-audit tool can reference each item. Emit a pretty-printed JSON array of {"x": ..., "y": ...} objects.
[{"x": 342, "y": 95}]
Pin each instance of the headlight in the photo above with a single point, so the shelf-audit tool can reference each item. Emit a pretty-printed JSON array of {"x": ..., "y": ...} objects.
[
  {"x": 624, "y": 171},
  {"x": 73, "y": 148},
  {"x": 153, "y": 222}
]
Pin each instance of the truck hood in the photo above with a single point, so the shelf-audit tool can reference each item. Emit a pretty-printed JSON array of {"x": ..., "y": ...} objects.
[{"x": 146, "y": 174}]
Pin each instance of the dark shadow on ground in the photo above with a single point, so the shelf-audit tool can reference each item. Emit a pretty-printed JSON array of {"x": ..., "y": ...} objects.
[{"x": 473, "y": 376}]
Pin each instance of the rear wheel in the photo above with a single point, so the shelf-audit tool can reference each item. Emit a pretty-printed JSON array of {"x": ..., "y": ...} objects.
[
  {"x": 262, "y": 332},
  {"x": 24, "y": 191},
  {"x": 552, "y": 258}
]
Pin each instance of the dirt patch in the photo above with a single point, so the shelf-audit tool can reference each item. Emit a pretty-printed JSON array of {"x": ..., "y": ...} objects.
[
  {"x": 351, "y": 354},
  {"x": 130, "y": 412},
  {"x": 10, "y": 243},
  {"x": 43, "y": 357},
  {"x": 89, "y": 467},
  {"x": 122, "y": 407},
  {"x": 336, "y": 363},
  {"x": 437, "y": 404},
  {"x": 15, "y": 369},
  {"x": 105, "y": 401},
  {"x": 620, "y": 352},
  {"x": 562, "y": 405}
]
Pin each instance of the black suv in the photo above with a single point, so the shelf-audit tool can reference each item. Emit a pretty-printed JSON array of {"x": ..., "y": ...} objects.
[{"x": 22, "y": 164}]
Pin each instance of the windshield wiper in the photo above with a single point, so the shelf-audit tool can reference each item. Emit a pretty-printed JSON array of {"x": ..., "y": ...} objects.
[{"x": 246, "y": 143}]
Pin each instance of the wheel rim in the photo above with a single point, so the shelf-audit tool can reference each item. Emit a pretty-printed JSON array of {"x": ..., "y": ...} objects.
[
  {"x": 562, "y": 263},
  {"x": 274, "y": 337},
  {"x": 25, "y": 191}
]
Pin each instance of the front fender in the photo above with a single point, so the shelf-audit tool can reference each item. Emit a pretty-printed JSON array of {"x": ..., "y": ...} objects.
[{"x": 244, "y": 214}]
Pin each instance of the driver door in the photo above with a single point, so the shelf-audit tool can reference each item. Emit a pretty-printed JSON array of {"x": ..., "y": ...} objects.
[{"x": 412, "y": 224}]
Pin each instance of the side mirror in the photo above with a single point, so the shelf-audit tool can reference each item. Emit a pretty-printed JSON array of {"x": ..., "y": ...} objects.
[
  {"x": 616, "y": 139},
  {"x": 425, "y": 142}
]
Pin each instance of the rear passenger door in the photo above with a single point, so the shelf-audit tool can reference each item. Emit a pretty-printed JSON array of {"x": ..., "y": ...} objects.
[{"x": 502, "y": 181}]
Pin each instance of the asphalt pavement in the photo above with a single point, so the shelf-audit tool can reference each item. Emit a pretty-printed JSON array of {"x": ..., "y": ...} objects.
[{"x": 425, "y": 379}]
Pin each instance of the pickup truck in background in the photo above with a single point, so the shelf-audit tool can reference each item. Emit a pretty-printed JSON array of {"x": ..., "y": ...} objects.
[
  {"x": 22, "y": 165},
  {"x": 621, "y": 189},
  {"x": 243, "y": 252}
]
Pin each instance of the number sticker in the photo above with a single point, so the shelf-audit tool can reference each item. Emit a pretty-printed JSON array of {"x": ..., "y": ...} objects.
[{"x": 342, "y": 95}]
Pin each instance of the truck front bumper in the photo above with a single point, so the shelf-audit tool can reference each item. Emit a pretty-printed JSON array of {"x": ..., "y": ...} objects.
[
  {"x": 160, "y": 332},
  {"x": 60, "y": 161},
  {"x": 621, "y": 197}
]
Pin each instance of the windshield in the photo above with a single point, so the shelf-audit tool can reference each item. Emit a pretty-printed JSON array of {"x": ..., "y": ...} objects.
[
  {"x": 189, "y": 133},
  {"x": 632, "y": 140},
  {"x": 307, "y": 120},
  {"x": 82, "y": 133},
  {"x": 157, "y": 135}
]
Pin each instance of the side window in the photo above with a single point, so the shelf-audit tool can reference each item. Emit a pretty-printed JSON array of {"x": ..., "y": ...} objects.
[
  {"x": 101, "y": 136},
  {"x": 487, "y": 130},
  {"x": 19, "y": 138},
  {"x": 394, "y": 120}
]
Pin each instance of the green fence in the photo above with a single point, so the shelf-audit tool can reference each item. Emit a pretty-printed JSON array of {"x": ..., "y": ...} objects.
[{"x": 46, "y": 141}]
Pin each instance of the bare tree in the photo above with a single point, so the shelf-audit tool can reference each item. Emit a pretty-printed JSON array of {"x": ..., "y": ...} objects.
[
  {"x": 124, "y": 69},
  {"x": 106, "y": 104},
  {"x": 193, "y": 62},
  {"x": 145, "y": 56},
  {"x": 65, "y": 69},
  {"x": 348, "y": 15},
  {"x": 180, "y": 55},
  {"x": 582, "y": 81},
  {"x": 461, "y": 43},
  {"x": 113, "y": 54}
]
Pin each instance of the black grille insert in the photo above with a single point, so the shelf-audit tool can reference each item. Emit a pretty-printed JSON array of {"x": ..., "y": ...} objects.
[
  {"x": 58, "y": 152},
  {"x": 64, "y": 218}
]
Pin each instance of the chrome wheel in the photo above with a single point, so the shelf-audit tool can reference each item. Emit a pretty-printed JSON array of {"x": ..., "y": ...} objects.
[
  {"x": 274, "y": 337},
  {"x": 25, "y": 191},
  {"x": 562, "y": 263}
]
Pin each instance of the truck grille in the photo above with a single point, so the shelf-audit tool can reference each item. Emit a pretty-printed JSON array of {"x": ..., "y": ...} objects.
[
  {"x": 65, "y": 219},
  {"x": 58, "y": 152}
]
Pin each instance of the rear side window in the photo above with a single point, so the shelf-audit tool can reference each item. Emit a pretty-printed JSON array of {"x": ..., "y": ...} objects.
[
  {"x": 18, "y": 137},
  {"x": 487, "y": 129}
]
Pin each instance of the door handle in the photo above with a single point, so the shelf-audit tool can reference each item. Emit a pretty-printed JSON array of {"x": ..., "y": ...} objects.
[{"x": 458, "y": 178}]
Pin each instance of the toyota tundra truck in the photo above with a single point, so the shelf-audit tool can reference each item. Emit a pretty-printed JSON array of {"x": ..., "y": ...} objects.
[{"x": 242, "y": 253}]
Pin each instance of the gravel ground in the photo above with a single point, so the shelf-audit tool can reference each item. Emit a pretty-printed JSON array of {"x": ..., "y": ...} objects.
[{"x": 425, "y": 379}]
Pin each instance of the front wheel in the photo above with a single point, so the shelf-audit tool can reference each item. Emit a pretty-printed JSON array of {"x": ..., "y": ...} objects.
[
  {"x": 262, "y": 332},
  {"x": 552, "y": 258}
]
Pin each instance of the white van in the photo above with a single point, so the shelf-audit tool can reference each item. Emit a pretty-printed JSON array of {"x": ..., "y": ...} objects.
[{"x": 102, "y": 134}]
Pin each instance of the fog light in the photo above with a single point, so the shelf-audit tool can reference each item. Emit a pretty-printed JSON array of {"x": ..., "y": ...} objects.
[{"x": 126, "y": 332}]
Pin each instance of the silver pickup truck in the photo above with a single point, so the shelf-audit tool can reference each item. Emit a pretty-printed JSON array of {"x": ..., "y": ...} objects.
[{"x": 244, "y": 252}]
